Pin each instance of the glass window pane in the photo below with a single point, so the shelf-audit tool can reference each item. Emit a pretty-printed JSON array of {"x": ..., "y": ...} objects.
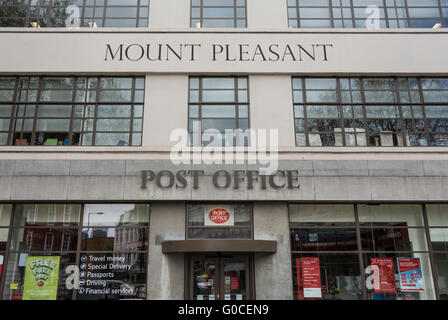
[
  {"x": 121, "y": 111},
  {"x": 437, "y": 215},
  {"x": 217, "y": 111},
  {"x": 128, "y": 276},
  {"x": 5, "y": 215},
  {"x": 116, "y": 214},
  {"x": 324, "y": 239},
  {"x": 112, "y": 139},
  {"x": 114, "y": 239},
  {"x": 44, "y": 239},
  {"x": 15, "y": 273},
  {"x": 340, "y": 277},
  {"x": 320, "y": 215},
  {"x": 401, "y": 294},
  {"x": 384, "y": 214},
  {"x": 46, "y": 214},
  {"x": 393, "y": 239}
]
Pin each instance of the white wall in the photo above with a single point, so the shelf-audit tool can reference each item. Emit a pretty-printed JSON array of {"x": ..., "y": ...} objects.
[
  {"x": 169, "y": 14},
  {"x": 267, "y": 14},
  {"x": 166, "y": 108}
]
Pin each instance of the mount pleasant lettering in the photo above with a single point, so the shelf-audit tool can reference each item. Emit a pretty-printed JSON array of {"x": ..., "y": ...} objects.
[{"x": 273, "y": 52}]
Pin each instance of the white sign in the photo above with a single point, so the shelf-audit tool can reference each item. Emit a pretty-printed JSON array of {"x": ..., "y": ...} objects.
[
  {"x": 218, "y": 216},
  {"x": 312, "y": 292}
]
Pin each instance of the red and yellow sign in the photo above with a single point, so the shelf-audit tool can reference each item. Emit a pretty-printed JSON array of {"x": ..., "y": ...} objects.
[{"x": 219, "y": 216}]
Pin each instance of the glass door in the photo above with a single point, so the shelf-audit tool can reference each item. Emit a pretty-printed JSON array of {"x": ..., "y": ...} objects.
[
  {"x": 204, "y": 279},
  {"x": 219, "y": 278},
  {"x": 234, "y": 272}
]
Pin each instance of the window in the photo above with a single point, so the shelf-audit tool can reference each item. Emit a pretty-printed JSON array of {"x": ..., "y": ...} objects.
[
  {"x": 218, "y": 13},
  {"x": 92, "y": 13},
  {"x": 220, "y": 104},
  {"x": 438, "y": 228},
  {"x": 359, "y": 112},
  {"x": 337, "y": 243},
  {"x": 77, "y": 111},
  {"x": 355, "y": 14},
  {"x": 219, "y": 221},
  {"x": 50, "y": 232}
]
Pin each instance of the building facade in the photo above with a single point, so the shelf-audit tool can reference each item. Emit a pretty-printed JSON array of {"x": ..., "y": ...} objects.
[{"x": 99, "y": 98}]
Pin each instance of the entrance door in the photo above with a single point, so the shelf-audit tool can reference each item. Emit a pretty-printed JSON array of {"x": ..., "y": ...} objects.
[{"x": 219, "y": 278}]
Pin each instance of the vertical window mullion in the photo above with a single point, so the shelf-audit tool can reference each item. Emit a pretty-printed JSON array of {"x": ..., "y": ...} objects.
[
  {"x": 352, "y": 7},
  {"x": 78, "y": 245},
  {"x": 131, "y": 127},
  {"x": 305, "y": 118},
  {"x": 235, "y": 20},
  {"x": 442, "y": 18},
  {"x": 82, "y": 13},
  {"x": 386, "y": 15},
  {"x": 431, "y": 255},
  {"x": 70, "y": 133},
  {"x": 298, "y": 15},
  {"x": 360, "y": 253},
  {"x": 408, "y": 18},
  {"x": 363, "y": 101},
  {"x": 13, "y": 110},
  {"x": 341, "y": 113},
  {"x": 423, "y": 104},
  {"x": 95, "y": 113},
  {"x": 331, "y": 14},
  {"x": 36, "y": 110},
  {"x": 138, "y": 14},
  {"x": 8, "y": 247},
  {"x": 104, "y": 13},
  {"x": 237, "y": 120},
  {"x": 400, "y": 110},
  {"x": 28, "y": 14}
]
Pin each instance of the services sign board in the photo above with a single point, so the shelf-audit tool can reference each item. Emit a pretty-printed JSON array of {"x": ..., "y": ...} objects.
[
  {"x": 386, "y": 275},
  {"x": 308, "y": 277},
  {"x": 41, "y": 278},
  {"x": 219, "y": 216},
  {"x": 411, "y": 276}
]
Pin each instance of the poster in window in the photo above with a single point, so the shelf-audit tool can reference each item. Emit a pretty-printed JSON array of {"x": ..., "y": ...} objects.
[
  {"x": 219, "y": 216},
  {"x": 386, "y": 275},
  {"x": 410, "y": 273},
  {"x": 311, "y": 277},
  {"x": 234, "y": 283},
  {"x": 41, "y": 278}
]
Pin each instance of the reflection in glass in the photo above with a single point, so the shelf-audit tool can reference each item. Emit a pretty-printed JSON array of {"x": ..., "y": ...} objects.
[
  {"x": 44, "y": 239},
  {"x": 340, "y": 276},
  {"x": 116, "y": 214},
  {"x": 114, "y": 239},
  {"x": 124, "y": 276},
  {"x": 15, "y": 274}
]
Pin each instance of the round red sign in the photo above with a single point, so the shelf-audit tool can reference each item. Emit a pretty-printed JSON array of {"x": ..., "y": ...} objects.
[{"x": 219, "y": 215}]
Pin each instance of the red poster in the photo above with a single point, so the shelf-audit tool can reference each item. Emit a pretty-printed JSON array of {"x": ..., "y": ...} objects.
[
  {"x": 234, "y": 283},
  {"x": 311, "y": 278},
  {"x": 386, "y": 275},
  {"x": 411, "y": 277},
  {"x": 299, "y": 279}
]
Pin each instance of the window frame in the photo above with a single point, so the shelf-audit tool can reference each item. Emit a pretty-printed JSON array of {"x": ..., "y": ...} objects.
[
  {"x": 50, "y": 18},
  {"x": 361, "y": 251},
  {"x": 22, "y": 135},
  {"x": 78, "y": 245},
  {"x": 400, "y": 137},
  {"x": 201, "y": 18}
]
